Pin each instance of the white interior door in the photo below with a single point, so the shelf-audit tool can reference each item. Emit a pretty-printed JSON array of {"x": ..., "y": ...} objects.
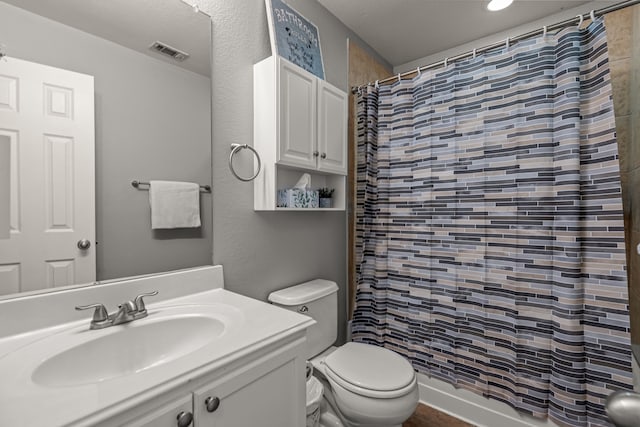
[{"x": 48, "y": 115}]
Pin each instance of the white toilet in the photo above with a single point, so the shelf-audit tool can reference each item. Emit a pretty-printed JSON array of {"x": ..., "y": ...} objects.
[{"x": 364, "y": 385}]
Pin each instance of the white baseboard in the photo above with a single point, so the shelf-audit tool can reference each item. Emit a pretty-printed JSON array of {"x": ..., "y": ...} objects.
[{"x": 472, "y": 408}]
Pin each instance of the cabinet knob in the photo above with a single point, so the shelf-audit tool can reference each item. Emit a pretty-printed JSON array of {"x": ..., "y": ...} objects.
[
  {"x": 316, "y": 154},
  {"x": 212, "y": 403},
  {"x": 185, "y": 419},
  {"x": 323, "y": 156}
]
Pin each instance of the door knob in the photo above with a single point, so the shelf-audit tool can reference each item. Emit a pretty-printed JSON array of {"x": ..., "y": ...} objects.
[
  {"x": 84, "y": 244},
  {"x": 212, "y": 403},
  {"x": 316, "y": 154},
  {"x": 323, "y": 156},
  {"x": 185, "y": 419}
]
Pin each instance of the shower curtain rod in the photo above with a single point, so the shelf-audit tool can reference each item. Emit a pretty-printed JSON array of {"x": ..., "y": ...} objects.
[{"x": 578, "y": 19}]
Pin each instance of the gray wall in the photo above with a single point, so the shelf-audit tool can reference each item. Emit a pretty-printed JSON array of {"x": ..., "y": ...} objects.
[
  {"x": 265, "y": 251},
  {"x": 152, "y": 122}
]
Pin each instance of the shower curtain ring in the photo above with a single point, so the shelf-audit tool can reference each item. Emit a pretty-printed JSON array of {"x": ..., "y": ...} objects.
[
  {"x": 544, "y": 31},
  {"x": 446, "y": 61},
  {"x": 581, "y": 20},
  {"x": 507, "y": 42},
  {"x": 592, "y": 15},
  {"x": 419, "y": 71},
  {"x": 399, "y": 77},
  {"x": 474, "y": 53},
  {"x": 377, "y": 85}
]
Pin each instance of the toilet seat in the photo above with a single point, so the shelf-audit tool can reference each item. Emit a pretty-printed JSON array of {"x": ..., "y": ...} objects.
[{"x": 370, "y": 371}]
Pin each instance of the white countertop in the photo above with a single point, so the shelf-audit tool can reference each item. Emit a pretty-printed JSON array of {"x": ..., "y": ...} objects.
[{"x": 255, "y": 324}]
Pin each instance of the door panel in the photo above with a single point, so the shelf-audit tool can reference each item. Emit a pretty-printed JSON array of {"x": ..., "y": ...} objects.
[
  {"x": 297, "y": 135},
  {"x": 9, "y": 278},
  {"x": 332, "y": 129},
  {"x": 8, "y": 93},
  {"x": 48, "y": 114},
  {"x": 272, "y": 396}
]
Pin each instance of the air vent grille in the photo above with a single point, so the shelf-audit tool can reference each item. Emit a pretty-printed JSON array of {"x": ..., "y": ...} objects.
[{"x": 167, "y": 50}]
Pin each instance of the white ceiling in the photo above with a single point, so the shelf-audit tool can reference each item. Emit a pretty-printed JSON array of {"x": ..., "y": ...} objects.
[
  {"x": 399, "y": 30},
  {"x": 406, "y": 30},
  {"x": 135, "y": 24}
]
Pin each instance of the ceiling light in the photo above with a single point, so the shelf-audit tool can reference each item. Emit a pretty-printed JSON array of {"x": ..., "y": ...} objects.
[{"x": 495, "y": 5}]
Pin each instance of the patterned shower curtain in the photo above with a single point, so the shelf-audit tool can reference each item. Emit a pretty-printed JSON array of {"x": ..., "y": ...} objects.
[{"x": 490, "y": 237}]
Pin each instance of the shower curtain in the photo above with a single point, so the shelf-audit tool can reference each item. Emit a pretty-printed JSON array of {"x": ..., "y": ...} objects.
[{"x": 490, "y": 239}]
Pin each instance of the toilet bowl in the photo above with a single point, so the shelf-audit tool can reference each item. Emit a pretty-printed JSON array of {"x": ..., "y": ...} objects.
[
  {"x": 364, "y": 385},
  {"x": 367, "y": 385}
]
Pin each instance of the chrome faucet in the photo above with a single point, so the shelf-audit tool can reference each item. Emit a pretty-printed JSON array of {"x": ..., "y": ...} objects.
[{"x": 127, "y": 312}]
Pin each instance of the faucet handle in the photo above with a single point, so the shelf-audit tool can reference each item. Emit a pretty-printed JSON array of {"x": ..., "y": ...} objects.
[
  {"x": 99, "y": 315},
  {"x": 140, "y": 302}
]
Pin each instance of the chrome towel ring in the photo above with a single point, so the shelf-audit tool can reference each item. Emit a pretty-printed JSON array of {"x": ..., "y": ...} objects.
[{"x": 236, "y": 148}]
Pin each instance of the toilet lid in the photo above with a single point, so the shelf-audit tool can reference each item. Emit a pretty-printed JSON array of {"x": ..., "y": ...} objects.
[{"x": 369, "y": 368}]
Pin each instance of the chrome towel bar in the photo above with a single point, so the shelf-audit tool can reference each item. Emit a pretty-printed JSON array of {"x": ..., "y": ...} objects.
[{"x": 137, "y": 185}]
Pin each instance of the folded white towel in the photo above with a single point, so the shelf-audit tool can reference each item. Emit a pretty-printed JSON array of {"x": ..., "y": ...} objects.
[{"x": 174, "y": 204}]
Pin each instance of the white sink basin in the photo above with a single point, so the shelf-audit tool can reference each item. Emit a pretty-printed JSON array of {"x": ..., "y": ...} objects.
[
  {"x": 169, "y": 337},
  {"x": 131, "y": 348}
]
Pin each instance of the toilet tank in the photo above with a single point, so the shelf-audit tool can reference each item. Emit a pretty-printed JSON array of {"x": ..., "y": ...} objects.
[{"x": 318, "y": 299}]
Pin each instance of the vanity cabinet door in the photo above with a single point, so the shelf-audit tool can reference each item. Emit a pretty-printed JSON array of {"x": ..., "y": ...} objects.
[
  {"x": 167, "y": 415},
  {"x": 265, "y": 394}
]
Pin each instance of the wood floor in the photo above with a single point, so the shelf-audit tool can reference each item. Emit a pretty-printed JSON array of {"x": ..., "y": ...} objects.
[{"x": 425, "y": 416}]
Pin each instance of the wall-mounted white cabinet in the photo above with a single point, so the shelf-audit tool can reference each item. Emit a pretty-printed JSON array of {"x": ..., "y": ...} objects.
[{"x": 300, "y": 125}]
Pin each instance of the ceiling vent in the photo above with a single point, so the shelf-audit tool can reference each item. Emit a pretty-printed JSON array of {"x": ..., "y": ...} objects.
[{"x": 165, "y": 49}]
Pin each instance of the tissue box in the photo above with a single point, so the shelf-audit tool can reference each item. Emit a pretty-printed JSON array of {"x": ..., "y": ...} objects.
[{"x": 296, "y": 198}]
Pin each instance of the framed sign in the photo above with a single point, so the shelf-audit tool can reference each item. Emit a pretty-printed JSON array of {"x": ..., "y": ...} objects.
[{"x": 294, "y": 38}]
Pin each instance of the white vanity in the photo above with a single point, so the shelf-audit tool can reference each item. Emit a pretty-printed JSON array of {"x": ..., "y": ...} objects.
[{"x": 203, "y": 356}]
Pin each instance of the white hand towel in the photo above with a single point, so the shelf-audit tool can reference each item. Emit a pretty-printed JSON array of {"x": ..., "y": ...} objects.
[{"x": 174, "y": 204}]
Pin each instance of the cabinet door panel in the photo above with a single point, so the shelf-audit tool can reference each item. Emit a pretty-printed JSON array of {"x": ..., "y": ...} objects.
[
  {"x": 268, "y": 401},
  {"x": 297, "y": 117},
  {"x": 166, "y": 416},
  {"x": 332, "y": 129}
]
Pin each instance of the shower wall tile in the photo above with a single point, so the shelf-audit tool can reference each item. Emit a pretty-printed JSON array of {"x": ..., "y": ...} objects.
[
  {"x": 634, "y": 291},
  {"x": 618, "y": 35},
  {"x": 623, "y": 135},
  {"x": 626, "y": 211},
  {"x": 623, "y": 40},
  {"x": 634, "y": 183},
  {"x": 633, "y": 147},
  {"x": 620, "y": 79},
  {"x": 633, "y": 153}
]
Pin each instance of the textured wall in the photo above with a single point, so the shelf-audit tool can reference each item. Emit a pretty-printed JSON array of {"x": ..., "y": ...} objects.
[
  {"x": 265, "y": 251},
  {"x": 152, "y": 122}
]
